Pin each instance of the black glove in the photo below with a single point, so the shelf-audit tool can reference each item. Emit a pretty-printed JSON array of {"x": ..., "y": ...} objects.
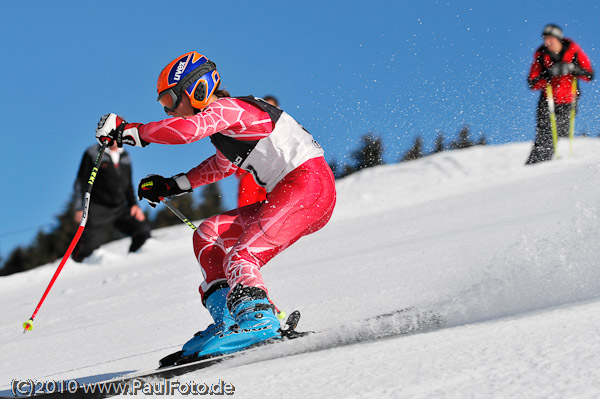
[
  {"x": 155, "y": 188},
  {"x": 561, "y": 68}
]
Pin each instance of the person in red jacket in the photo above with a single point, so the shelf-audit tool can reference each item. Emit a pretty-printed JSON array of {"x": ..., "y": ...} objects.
[
  {"x": 232, "y": 247},
  {"x": 557, "y": 62},
  {"x": 249, "y": 192}
]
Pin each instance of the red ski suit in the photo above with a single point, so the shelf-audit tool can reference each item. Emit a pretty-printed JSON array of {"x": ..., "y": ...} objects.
[{"x": 282, "y": 156}]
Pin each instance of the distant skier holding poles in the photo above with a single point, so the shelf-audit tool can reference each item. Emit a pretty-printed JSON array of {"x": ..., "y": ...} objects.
[
  {"x": 232, "y": 247},
  {"x": 557, "y": 66}
]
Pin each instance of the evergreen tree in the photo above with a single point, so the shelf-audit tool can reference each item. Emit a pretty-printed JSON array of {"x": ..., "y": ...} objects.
[
  {"x": 370, "y": 153},
  {"x": 334, "y": 168},
  {"x": 439, "y": 144},
  {"x": 348, "y": 170},
  {"x": 463, "y": 140},
  {"x": 54, "y": 244},
  {"x": 15, "y": 263},
  {"x": 415, "y": 152},
  {"x": 46, "y": 247},
  {"x": 212, "y": 202},
  {"x": 482, "y": 140}
]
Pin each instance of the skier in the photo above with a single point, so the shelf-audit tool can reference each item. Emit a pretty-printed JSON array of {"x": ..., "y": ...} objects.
[
  {"x": 232, "y": 247},
  {"x": 557, "y": 62}
]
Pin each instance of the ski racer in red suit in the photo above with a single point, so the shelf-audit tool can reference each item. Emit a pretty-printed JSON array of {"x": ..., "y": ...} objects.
[
  {"x": 232, "y": 247},
  {"x": 557, "y": 62}
]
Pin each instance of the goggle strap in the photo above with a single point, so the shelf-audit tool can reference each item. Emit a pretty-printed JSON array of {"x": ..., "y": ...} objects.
[{"x": 205, "y": 68}]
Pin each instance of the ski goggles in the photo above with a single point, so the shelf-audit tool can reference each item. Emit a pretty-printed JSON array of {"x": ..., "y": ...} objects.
[{"x": 171, "y": 98}]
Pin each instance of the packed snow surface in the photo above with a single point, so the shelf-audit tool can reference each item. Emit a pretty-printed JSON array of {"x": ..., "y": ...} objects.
[{"x": 486, "y": 272}]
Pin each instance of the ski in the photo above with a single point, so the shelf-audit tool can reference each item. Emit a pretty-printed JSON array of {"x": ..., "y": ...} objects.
[
  {"x": 173, "y": 365},
  {"x": 405, "y": 321}
]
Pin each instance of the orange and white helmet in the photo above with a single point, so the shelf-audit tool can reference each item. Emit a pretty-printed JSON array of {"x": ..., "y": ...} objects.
[{"x": 192, "y": 74}]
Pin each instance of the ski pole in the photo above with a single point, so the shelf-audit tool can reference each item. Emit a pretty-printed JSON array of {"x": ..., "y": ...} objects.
[
  {"x": 177, "y": 213},
  {"x": 572, "y": 117},
  {"x": 550, "y": 100},
  {"x": 280, "y": 313},
  {"x": 28, "y": 325}
]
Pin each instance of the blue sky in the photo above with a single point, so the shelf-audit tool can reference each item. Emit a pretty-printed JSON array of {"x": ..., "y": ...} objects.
[{"x": 341, "y": 68}]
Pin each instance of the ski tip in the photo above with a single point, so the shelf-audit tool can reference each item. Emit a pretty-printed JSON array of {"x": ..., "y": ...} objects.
[{"x": 28, "y": 326}]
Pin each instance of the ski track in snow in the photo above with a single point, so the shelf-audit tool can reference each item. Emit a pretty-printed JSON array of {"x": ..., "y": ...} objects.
[{"x": 494, "y": 263}]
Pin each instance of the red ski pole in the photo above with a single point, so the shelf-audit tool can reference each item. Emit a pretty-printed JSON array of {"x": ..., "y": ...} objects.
[{"x": 28, "y": 325}]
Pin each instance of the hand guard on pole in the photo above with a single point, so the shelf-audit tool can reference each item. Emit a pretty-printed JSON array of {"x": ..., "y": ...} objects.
[{"x": 113, "y": 128}]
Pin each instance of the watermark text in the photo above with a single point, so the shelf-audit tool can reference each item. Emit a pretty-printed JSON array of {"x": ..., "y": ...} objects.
[{"x": 157, "y": 387}]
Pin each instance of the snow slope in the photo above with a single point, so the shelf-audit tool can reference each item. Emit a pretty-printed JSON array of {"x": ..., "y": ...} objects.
[{"x": 503, "y": 257}]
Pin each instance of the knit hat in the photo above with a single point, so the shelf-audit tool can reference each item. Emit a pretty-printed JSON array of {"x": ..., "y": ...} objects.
[{"x": 553, "y": 30}]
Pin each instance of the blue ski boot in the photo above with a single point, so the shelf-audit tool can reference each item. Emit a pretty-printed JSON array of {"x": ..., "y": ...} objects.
[
  {"x": 216, "y": 303},
  {"x": 255, "y": 322},
  {"x": 254, "y": 314}
]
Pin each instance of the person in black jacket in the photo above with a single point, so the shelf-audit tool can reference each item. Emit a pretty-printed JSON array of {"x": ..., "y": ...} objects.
[{"x": 113, "y": 203}]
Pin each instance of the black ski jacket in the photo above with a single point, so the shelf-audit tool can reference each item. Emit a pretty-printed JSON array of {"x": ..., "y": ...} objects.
[{"x": 112, "y": 186}]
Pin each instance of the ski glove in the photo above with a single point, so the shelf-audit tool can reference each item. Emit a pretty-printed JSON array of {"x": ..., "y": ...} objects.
[
  {"x": 112, "y": 127},
  {"x": 155, "y": 188}
]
